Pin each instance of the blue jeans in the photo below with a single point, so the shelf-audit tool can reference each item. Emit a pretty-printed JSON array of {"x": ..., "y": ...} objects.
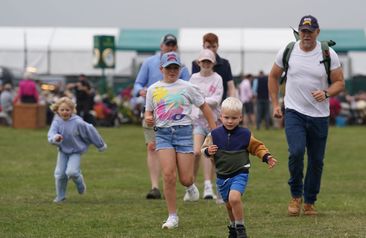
[
  {"x": 310, "y": 133},
  {"x": 67, "y": 167}
]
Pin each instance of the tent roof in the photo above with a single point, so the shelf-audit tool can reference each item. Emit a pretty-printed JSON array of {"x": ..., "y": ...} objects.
[
  {"x": 346, "y": 40},
  {"x": 145, "y": 40}
]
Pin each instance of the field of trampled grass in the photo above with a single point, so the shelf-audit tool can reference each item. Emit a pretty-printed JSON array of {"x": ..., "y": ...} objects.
[{"x": 117, "y": 181}]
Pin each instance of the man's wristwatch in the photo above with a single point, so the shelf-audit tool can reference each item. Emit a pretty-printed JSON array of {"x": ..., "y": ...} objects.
[{"x": 326, "y": 94}]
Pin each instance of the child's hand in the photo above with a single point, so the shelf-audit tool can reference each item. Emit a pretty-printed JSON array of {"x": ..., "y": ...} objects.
[
  {"x": 271, "y": 162},
  {"x": 149, "y": 120},
  {"x": 58, "y": 138},
  {"x": 212, "y": 149}
]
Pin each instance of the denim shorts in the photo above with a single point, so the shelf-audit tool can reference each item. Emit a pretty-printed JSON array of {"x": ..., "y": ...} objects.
[
  {"x": 179, "y": 138},
  {"x": 238, "y": 183}
]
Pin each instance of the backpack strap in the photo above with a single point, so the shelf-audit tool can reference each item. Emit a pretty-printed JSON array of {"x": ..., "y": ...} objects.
[
  {"x": 285, "y": 59},
  {"x": 326, "y": 57}
]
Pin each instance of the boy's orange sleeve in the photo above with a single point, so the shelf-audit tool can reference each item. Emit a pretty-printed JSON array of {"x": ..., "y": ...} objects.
[{"x": 257, "y": 148}]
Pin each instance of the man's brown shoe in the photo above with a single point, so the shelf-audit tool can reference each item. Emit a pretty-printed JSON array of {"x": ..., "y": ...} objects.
[
  {"x": 309, "y": 209},
  {"x": 294, "y": 207}
]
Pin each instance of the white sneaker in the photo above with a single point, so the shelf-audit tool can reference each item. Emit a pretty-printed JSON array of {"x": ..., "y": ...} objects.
[
  {"x": 208, "y": 192},
  {"x": 219, "y": 199},
  {"x": 171, "y": 223},
  {"x": 192, "y": 194}
]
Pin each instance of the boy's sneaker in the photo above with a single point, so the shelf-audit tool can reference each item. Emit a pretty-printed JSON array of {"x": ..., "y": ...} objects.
[
  {"x": 309, "y": 209},
  {"x": 232, "y": 232},
  {"x": 59, "y": 200},
  {"x": 154, "y": 193},
  {"x": 192, "y": 194},
  {"x": 208, "y": 192},
  {"x": 240, "y": 231},
  {"x": 294, "y": 207},
  {"x": 171, "y": 223}
]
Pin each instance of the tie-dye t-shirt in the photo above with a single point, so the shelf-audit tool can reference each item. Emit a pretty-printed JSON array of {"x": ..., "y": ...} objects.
[{"x": 171, "y": 103}]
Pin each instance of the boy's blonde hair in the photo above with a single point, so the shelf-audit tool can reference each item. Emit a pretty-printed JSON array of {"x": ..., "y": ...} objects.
[
  {"x": 54, "y": 107},
  {"x": 232, "y": 104}
]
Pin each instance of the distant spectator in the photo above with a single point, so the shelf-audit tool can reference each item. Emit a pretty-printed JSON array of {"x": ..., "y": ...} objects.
[
  {"x": 6, "y": 101},
  {"x": 335, "y": 109},
  {"x": 84, "y": 98},
  {"x": 260, "y": 87},
  {"x": 246, "y": 96},
  {"x": 27, "y": 92}
]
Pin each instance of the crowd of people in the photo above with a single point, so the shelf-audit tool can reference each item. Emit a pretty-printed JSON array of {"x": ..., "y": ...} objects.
[{"x": 203, "y": 120}]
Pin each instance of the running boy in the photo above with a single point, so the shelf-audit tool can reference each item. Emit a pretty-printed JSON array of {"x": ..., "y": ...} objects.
[
  {"x": 169, "y": 104},
  {"x": 72, "y": 136},
  {"x": 229, "y": 146},
  {"x": 210, "y": 84}
]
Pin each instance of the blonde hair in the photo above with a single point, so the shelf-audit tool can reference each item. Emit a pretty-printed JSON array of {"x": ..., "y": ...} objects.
[
  {"x": 54, "y": 107},
  {"x": 232, "y": 104}
]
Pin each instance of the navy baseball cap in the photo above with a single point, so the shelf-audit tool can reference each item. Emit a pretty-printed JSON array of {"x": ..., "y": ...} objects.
[
  {"x": 169, "y": 39},
  {"x": 308, "y": 22}
]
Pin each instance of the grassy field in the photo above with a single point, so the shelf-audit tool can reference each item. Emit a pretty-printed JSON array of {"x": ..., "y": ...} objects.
[{"x": 117, "y": 180}]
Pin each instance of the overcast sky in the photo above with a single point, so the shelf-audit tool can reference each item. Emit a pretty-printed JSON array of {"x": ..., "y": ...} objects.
[{"x": 178, "y": 14}]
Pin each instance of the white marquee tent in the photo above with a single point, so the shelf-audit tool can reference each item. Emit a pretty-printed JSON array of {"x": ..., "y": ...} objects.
[{"x": 68, "y": 51}]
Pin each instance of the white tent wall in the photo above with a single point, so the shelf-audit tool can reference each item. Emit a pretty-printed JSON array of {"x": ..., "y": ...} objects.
[
  {"x": 12, "y": 47},
  {"x": 12, "y": 58},
  {"x": 71, "y": 50},
  {"x": 256, "y": 61},
  {"x": 260, "y": 46}
]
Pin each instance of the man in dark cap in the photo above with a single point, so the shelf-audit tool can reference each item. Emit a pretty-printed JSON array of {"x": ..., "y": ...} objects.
[
  {"x": 306, "y": 111},
  {"x": 150, "y": 73}
]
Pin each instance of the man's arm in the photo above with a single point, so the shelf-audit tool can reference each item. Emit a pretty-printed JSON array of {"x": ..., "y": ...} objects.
[
  {"x": 337, "y": 86},
  {"x": 141, "y": 81},
  {"x": 231, "y": 90},
  {"x": 273, "y": 88}
]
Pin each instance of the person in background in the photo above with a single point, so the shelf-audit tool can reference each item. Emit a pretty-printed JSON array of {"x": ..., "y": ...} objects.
[
  {"x": 150, "y": 73},
  {"x": 222, "y": 66},
  {"x": 210, "y": 84},
  {"x": 169, "y": 105},
  {"x": 246, "y": 96},
  {"x": 6, "y": 102},
  {"x": 72, "y": 135},
  {"x": 27, "y": 92},
  {"x": 229, "y": 147},
  {"x": 260, "y": 88},
  {"x": 306, "y": 112}
]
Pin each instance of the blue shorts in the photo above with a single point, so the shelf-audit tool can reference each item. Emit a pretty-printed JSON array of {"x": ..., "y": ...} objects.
[
  {"x": 238, "y": 183},
  {"x": 179, "y": 138}
]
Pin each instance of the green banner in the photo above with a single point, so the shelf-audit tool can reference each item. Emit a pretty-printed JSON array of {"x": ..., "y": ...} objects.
[{"x": 104, "y": 52}]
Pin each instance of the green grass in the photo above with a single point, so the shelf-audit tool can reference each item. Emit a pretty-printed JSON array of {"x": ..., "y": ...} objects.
[{"x": 117, "y": 180}]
